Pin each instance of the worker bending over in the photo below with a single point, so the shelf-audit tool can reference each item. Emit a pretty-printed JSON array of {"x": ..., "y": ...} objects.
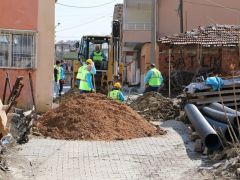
[
  {"x": 83, "y": 67},
  {"x": 86, "y": 85},
  {"x": 153, "y": 79},
  {"x": 116, "y": 94}
]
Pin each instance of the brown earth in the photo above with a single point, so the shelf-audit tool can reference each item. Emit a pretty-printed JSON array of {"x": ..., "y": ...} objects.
[
  {"x": 65, "y": 97},
  {"x": 154, "y": 106},
  {"x": 95, "y": 117}
]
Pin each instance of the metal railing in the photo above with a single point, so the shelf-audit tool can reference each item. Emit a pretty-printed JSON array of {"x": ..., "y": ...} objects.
[{"x": 137, "y": 26}]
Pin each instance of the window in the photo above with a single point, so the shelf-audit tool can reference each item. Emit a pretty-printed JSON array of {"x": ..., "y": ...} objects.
[
  {"x": 4, "y": 48},
  {"x": 17, "y": 49}
]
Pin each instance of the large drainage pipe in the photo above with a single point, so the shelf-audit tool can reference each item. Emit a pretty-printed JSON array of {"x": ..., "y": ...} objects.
[
  {"x": 203, "y": 128},
  {"x": 222, "y": 128},
  {"x": 219, "y": 107},
  {"x": 220, "y": 116}
]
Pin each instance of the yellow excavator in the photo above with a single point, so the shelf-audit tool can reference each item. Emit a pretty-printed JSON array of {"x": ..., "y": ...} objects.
[{"x": 111, "y": 69}]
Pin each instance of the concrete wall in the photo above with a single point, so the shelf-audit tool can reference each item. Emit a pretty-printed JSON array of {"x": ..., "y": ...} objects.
[
  {"x": 45, "y": 54},
  {"x": 200, "y": 13},
  {"x": 196, "y": 13},
  {"x": 17, "y": 14},
  {"x": 168, "y": 19},
  {"x": 145, "y": 59},
  {"x": 136, "y": 36}
]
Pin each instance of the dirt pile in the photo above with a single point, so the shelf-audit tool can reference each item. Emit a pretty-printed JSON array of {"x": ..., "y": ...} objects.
[
  {"x": 69, "y": 94},
  {"x": 95, "y": 117},
  {"x": 154, "y": 106}
]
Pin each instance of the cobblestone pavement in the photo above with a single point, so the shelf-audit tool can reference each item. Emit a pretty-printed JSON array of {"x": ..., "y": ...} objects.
[{"x": 164, "y": 157}]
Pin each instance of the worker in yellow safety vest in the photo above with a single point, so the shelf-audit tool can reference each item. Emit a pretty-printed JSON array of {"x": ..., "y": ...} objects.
[
  {"x": 153, "y": 79},
  {"x": 84, "y": 66},
  {"x": 59, "y": 76},
  {"x": 86, "y": 85},
  {"x": 98, "y": 56},
  {"x": 116, "y": 93}
]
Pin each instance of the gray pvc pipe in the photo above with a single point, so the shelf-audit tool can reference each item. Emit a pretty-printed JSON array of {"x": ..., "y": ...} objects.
[
  {"x": 221, "y": 128},
  {"x": 203, "y": 128},
  {"x": 219, "y": 107},
  {"x": 219, "y": 115}
]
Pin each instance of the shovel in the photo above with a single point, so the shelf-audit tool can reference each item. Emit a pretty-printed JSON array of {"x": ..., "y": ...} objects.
[{"x": 94, "y": 84}]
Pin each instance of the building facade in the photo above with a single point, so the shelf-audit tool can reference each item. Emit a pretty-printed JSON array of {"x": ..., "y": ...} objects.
[
  {"x": 137, "y": 26},
  {"x": 27, "y": 46}
]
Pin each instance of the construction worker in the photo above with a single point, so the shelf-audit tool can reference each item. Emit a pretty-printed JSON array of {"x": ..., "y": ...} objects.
[
  {"x": 153, "y": 79},
  {"x": 116, "y": 94},
  {"x": 98, "y": 56},
  {"x": 84, "y": 66},
  {"x": 62, "y": 77},
  {"x": 59, "y": 76},
  {"x": 86, "y": 85}
]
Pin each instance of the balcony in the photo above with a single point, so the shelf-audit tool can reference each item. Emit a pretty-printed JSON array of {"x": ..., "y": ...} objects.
[
  {"x": 138, "y": 3},
  {"x": 137, "y": 26}
]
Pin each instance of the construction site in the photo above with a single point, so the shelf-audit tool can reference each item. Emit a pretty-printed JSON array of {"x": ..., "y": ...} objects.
[{"x": 150, "y": 92}]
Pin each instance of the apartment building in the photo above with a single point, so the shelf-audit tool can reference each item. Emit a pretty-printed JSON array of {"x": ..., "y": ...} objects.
[
  {"x": 27, "y": 45},
  {"x": 137, "y": 26}
]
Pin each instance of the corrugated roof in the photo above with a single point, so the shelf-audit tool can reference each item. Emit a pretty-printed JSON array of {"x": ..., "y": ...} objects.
[{"x": 213, "y": 35}]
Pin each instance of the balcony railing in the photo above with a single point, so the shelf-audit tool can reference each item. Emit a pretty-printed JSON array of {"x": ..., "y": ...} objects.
[{"x": 137, "y": 26}]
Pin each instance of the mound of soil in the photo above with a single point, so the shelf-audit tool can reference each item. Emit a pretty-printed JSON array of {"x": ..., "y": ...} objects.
[
  {"x": 95, "y": 117},
  {"x": 154, "y": 106},
  {"x": 69, "y": 94}
]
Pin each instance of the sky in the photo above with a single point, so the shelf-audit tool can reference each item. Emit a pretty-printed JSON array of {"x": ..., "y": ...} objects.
[{"x": 72, "y": 23}]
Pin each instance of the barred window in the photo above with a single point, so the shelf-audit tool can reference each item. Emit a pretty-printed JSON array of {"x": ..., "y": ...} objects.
[
  {"x": 17, "y": 49},
  {"x": 4, "y": 50}
]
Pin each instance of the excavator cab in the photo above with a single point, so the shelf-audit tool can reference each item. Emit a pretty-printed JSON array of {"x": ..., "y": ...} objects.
[{"x": 87, "y": 47}]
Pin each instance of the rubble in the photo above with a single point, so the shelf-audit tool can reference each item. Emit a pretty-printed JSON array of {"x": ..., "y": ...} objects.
[
  {"x": 21, "y": 124},
  {"x": 226, "y": 164},
  {"x": 154, "y": 106},
  {"x": 95, "y": 117}
]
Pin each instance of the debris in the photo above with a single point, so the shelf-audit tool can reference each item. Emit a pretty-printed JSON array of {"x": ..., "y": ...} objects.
[
  {"x": 94, "y": 117},
  {"x": 198, "y": 146},
  {"x": 217, "y": 165},
  {"x": 194, "y": 136},
  {"x": 238, "y": 171},
  {"x": 154, "y": 106},
  {"x": 3, "y": 121},
  {"x": 8, "y": 139},
  {"x": 21, "y": 124},
  {"x": 3, "y": 165}
]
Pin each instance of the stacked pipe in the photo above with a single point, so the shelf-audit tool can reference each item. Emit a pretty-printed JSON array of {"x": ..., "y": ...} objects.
[
  {"x": 218, "y": 118},
  {"x": 203, "y": 128}
]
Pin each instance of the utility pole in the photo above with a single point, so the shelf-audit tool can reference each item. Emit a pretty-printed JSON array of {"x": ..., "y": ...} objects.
[
  {"x": 153, "y": 32},
  {"x": 181, "y": 15}
]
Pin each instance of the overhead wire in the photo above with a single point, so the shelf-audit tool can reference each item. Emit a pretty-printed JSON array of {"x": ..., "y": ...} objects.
[
  {"x": 85, "y": 7},
  {"x": 83, "y": 24},
  {"x": 212, "y": 5},
  {"x": 221, "y": 5}
]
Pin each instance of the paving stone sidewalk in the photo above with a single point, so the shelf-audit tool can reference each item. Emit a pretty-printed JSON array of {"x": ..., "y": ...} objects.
[{"x": 164, "y": 157}]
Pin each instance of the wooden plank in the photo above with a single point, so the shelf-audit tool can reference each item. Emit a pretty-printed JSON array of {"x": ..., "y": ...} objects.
[
  {"x": 225, "y": 87},
  {"x": 214, "y": 93},
  {"x": 1, "y": 105},
  {"x": 3, "y": 123},
  {"x": 215, "y": 99}
]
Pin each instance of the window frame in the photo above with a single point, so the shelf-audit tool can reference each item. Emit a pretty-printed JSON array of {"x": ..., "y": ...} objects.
[{"x": 10, "y": 33}]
